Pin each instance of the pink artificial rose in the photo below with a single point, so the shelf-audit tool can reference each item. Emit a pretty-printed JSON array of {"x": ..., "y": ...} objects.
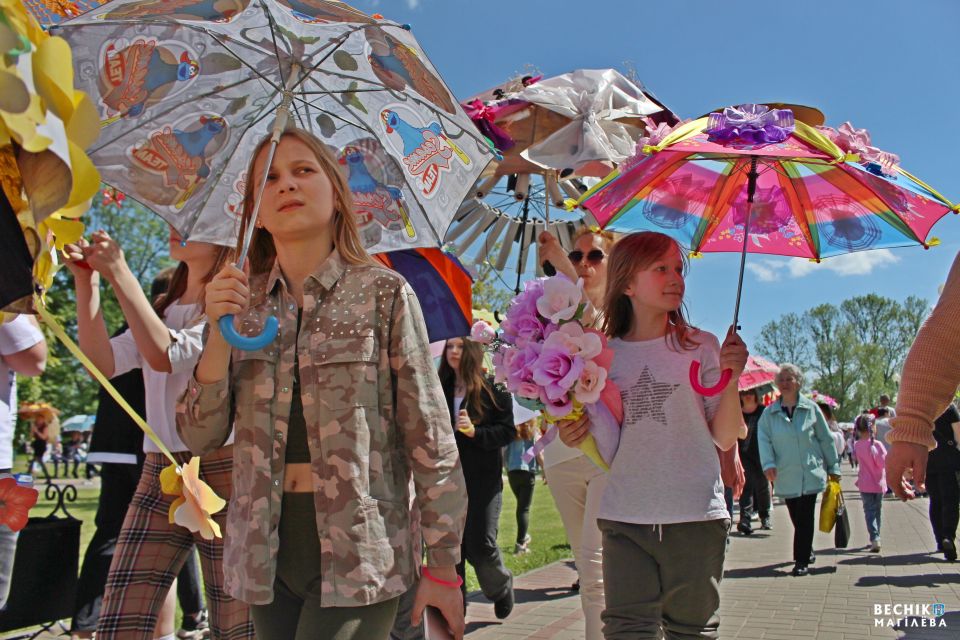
[
  {"x": 571, "y": 337},
  {"x": 482, "y": 332},
  {"x": 520, "y": 366},
  {"x": 559, "y": 407},
  {"x": 592, "y": 380},
  {"x": 528, "y": 390},
  {"x": 557, "y": 371},
  {"x": 526, "y": 329},
  {"x": 561, "y": 299}
]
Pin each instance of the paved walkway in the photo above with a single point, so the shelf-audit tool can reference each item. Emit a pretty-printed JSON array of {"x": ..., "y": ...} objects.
[{"x": 759, "y": 597}]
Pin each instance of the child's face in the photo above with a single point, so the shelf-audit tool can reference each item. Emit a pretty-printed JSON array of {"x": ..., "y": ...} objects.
[{"x": 659, "y": 286}]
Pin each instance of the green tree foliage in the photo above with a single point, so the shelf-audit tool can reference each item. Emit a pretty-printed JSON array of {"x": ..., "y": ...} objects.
[
  {"x": 489, "y": 291},
  {"x": 853, "y": 351},
  {"x": 144, "y": 238}
]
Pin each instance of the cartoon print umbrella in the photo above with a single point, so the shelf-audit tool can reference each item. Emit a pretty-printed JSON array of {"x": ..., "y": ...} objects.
[
  {"x": 186, "y": 89},
  {"x": 758, "y": 178},
  {"x": 443, "y": 287}
]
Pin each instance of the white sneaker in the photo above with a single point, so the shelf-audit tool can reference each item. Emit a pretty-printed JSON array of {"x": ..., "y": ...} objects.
[{"x": 875, "y": 546}]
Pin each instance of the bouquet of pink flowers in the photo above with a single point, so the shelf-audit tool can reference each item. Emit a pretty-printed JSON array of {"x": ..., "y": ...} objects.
[{"x": 553, "y": 364}]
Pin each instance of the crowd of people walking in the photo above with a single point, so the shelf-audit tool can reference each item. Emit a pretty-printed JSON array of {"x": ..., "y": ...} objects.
[{"x": 361, "y": 478}]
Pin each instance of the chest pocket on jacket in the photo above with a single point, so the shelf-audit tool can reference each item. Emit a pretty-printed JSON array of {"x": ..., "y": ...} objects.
[{"x": 346, "y": 371}]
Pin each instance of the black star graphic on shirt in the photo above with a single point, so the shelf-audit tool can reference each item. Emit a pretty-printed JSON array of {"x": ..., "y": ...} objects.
[{"x": 646, "y": 397}]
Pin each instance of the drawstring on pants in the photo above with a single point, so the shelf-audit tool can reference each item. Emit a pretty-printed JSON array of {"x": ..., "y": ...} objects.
[{"x": 661, "y": 530}]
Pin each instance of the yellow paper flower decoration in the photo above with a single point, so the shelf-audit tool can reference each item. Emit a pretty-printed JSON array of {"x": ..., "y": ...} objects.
[
  {"x": 45, "y": 124},
  {"x": 196, "y": 502}
]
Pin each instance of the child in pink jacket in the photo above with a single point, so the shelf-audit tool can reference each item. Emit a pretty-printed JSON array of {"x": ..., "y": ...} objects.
[{"x": 871, "y": 477}]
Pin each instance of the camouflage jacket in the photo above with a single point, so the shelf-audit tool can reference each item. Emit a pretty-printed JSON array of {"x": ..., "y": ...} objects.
[{"x": 376, "y": 417}]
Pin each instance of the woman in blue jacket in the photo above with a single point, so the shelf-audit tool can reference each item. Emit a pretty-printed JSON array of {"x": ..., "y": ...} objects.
[{"x": 797, "y": 454}]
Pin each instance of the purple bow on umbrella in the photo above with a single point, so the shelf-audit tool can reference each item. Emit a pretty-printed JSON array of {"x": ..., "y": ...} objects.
[{"x": 750, "y": 124}]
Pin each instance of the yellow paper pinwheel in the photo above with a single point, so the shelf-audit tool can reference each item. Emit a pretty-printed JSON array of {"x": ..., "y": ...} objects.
[{"x": 196, "y": 502}]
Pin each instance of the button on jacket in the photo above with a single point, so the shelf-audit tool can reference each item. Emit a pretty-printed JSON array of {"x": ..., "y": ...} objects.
[
  {"x": 376, "y": 417},
  {"x": 800, "y": 448}
]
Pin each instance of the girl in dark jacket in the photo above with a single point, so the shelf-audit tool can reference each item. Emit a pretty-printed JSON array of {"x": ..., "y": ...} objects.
[{"x": 482, "y": 415}]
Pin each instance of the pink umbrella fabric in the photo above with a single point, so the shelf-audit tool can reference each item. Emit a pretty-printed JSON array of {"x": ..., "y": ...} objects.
[{"x": 758, "y": 372}]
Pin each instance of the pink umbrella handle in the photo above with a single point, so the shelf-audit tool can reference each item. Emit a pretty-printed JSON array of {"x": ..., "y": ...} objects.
[{"x": 725, "y": 376}]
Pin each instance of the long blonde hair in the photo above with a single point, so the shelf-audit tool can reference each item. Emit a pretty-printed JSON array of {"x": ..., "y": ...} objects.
[
  {"x": 346, "y": 236},
  {"x": 631, "y": 254}
]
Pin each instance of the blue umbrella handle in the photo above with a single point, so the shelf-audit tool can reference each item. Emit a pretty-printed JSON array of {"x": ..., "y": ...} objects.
[
  {"x": 725, "y": 376},
  {"x": 252, "y": 343}
]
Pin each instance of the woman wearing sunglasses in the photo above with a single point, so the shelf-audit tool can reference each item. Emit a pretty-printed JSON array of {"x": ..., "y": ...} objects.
[{"x": 575, "y": 482}]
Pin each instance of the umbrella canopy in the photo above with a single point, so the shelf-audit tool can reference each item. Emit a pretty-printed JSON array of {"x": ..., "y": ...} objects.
[
  {"x": 811, "y": 197},
  {"x": 443, "y": 287},
  {"x": 186, "y": 88},
  {"x": 78, "y": 423},
  {"x": 556, "y": 135},
  {"x": 758, "y": 372},
  {"x": 757, "y": 178}
]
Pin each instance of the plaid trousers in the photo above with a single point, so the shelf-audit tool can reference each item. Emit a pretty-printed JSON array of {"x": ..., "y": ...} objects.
[{"x": 150, "y": 552}]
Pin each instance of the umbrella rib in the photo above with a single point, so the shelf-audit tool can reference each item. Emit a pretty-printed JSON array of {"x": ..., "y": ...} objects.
[
  {"x": 171, "y": 109},
  {"x": 795, "y": 183}
]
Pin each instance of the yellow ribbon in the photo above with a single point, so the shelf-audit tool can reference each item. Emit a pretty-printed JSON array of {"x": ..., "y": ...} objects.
[{"x": 72, "y": 347}]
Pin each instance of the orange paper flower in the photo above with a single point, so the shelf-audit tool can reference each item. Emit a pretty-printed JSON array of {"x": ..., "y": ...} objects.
[
  {"x": 196, "y": 502},
  {"x": 15, "y": 503}
]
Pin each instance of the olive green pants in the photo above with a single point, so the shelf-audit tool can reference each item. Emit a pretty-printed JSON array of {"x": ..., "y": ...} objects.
[{"x": 296, "y": 612}]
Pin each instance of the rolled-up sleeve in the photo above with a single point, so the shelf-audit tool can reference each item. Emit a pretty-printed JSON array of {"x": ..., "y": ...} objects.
[
  {"x": 424, "y": 421},
  {"x": 185, "y": 348},
  {"x": 126, "y": 356}
]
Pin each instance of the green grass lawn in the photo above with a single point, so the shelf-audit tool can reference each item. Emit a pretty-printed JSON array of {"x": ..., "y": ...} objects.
[{"x": 549, "y": 539}]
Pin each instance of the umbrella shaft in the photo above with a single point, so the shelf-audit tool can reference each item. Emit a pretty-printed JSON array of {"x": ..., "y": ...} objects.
[
  {"x": 279, "y": 124},
  {"x": 751, "y": 190}
]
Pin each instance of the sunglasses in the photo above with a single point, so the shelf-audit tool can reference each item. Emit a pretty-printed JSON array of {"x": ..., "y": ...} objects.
[{"x": 594, "y": 257}]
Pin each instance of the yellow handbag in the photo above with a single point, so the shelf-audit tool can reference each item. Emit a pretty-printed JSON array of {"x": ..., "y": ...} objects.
[{"x": 828, "y": 506}]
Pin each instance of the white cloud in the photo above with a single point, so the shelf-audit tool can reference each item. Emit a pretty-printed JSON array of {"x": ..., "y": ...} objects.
[
  {"x": 413, "y": 4},
  {"x": 851, "y": 264}
]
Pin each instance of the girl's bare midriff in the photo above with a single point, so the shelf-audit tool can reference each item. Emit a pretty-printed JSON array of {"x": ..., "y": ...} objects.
[{"x": 297, "y": 478}]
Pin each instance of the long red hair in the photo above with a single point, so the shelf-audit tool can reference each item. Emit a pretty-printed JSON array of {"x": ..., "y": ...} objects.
[{"x": 631, "y": 254}]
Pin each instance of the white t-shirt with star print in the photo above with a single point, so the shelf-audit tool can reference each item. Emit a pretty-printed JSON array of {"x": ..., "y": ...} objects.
[{"x": 666, "y": 469}]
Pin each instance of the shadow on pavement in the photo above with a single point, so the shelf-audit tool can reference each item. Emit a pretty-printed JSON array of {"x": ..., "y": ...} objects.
[
  {"x": 541, "y": 595},
  {"x": 477, "y": 625},
  {"x": 908, "y": 582},
  {"x": 779, "y": 570},
  {"x": 952, "y": 620},
  {"x": 894, "y": 561}
]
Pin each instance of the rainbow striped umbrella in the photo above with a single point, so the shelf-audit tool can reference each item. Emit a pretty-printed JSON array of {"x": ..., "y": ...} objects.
[{"x": 759, "y": 178}]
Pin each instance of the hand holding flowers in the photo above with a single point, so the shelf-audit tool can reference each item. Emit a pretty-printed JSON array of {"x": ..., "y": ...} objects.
[{"x": 552, "y": 363}]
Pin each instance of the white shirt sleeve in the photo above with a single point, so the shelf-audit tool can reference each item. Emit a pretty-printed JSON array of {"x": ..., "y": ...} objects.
[
  {"x": 126, "y": 356},
  {"x": 18, "y": 335},
  {"x": 185, "y": 349}
]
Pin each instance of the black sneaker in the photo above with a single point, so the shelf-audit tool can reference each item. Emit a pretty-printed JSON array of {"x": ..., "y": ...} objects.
[
  {"x": 949, "y": 549},
  {"x": 575, "y": 586},
  {"x": 194, "y": 627},
  {"x": 744, "y": 527},
  {"x": 503, "y": 606},
  {"x": 813, "y": 558},
  {"x": 799, "y": 570}
]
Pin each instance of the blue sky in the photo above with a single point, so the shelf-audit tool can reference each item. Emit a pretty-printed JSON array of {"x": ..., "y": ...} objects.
[{"x": 888, "y": 66}]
